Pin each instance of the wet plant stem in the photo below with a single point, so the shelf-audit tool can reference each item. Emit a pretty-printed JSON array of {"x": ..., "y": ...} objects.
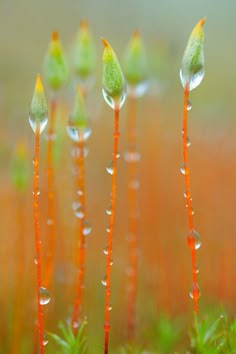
[
  {"x": 132, "y": 218},
  {"x": 111, "y": 231},
  {"x": 191, "y": 242},
  {"x": 80, "y": 237},
  {"x": 50, "y": 194},
  {"x": 37, "y": 236}
]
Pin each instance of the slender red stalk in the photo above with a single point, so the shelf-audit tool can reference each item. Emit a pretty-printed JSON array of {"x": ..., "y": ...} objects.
[
  {"x": 191, "y": 241},
  {"x": 132, "y": 217},
  {"x": 50, "y": 193},
  {"x": 20, "y": 275},
  {"x": 37, "y": 237},
  {"x": 111, "y": 231},
  {"x": 80, "y": 252}
]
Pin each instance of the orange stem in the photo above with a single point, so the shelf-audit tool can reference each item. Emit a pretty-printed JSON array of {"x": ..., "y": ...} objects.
[
  {"x": 80, "y": 254},
  {"x": 188, "y": 197},
  {"x": 20, "y": 276},
  {"x": 111, "y": 230},
  {"x": 50, "y": 193},
  {"x": 37, "y": 238},
  {"x": 132, "y": 218}
]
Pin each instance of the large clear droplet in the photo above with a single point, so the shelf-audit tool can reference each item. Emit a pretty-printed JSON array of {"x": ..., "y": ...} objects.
[
  {"x": 38, "y": 124},
  {"x": 132, "y": 156},
  {"x": 76, "y": 134},
  {"x": 45, "y": 339},
  {"x": 137, "y": 90},
  {"x": 114, "y": 104},
  {"x": 105, "y": 251},
  {"x": 194, "y": 240},
  {"x": 193, "y": 80},
  {"x": 195, "y": 292},
  {"x": 110, "y": 168},
  {"x": 44, "y": 296},
  {"x": 87, "y": 228},
  {"x": 188, "y": 142},
  {"x": 189, "y": 106},
  {"x": 104, "y": 281},
  {"x": 108, "y": 210},
  {"x": 184, "y": 169}
]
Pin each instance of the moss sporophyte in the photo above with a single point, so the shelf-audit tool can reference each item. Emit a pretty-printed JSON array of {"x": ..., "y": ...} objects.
[
  {"x": 84, "y": 52},
  {"x": 55, "y": 65},
  {"x": 38, "y": 120},
  {"x": 113, "y": 81},
  {"x": 192, "y": 70},
  {"x": 191, "y": 75},
  {"x": 114, "y": 94}
]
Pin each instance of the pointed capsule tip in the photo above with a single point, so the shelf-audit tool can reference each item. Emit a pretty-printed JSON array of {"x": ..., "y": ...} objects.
[
  {"x": 136, "y": 34},
  {"x": 55, "y": 36},
  {"x": 202, "y": 21},
  {"x": 83, "y": 24},
  {"x": 105, "y": 43},
  {"x": 38, "y": 85}
]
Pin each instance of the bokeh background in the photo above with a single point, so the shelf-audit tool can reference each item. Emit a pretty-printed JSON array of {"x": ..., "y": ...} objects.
[{"x": 165, "y": 273}]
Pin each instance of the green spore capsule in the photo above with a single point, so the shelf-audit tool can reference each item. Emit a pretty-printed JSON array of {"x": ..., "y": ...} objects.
[
  {"x": 55, "y": 66},
  {"x": 135, "y": 65},
  {"x": 84, "y": 52},
  {"x": 38, "y": 115},
  {"x": 192, "y": 70},
  {"x": 77, "y": 128},
  {"x": 114, "y": 85}
]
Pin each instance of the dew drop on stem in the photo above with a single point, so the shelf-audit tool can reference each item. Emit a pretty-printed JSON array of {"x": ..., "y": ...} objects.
[{"x": 45, "y": 297}]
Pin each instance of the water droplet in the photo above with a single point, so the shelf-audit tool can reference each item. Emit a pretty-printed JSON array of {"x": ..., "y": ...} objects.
[
  {"x": 44, "y": 296},
  {"x": 108, "y": 210},
  {"x": 132, "y": 156},
  {"x": 184, "y": 169},
  {"x": 79, "y": 212},
  {"x": 38, "y": 124},
  {"x": 111, "y": 262},
  {"x": 196, "y": 270},
  {"x": 191, "y": 80},
  {"x": 45, "y": 339},
  {"x": 114, "y": 103},
  {"x": 134, "y": 184},
  {"x": 80, "y": 192},
  {"x": 187, "y": 195},
  {"x": 75, "y": 324},
  {"x": 110, "y": 168},
  {"x": 50, "y": 136},
  {"x": 108, "y": 229},
  {"x": 194, "y": 240},
  {"x": 109, "y": 308},
  {"x": 105, "y": 251},
  {"x": 87, "y": 228},
  {"x": 35, "y": 261},
  {"x": 192, "y": 211},
  {"x": 104, "y": 281},
  {"x": 118, "y": 155},
  {"x": 37, "y": 192},
  {"x": 76, "y": 151},
  {"x": 189, "y": 105},
  {"x": 137, "y": 90},
  {"x": 195, "y": 292},
  {"x": 77, "y": 134},
  {"x": 188, "y": 142}
]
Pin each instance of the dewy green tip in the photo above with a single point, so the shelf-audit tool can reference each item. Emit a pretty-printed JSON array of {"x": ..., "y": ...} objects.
[
  {"x": 113, "y": 79},
  {"x": 192, "y": 70},
  {"x": 78, "y": 116},
  {"x": 55, "y": 66},
  {"x": 135, "y": 61},
  {"x": 38, "y": 115},
  {"x": 84, "y": 52}
]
